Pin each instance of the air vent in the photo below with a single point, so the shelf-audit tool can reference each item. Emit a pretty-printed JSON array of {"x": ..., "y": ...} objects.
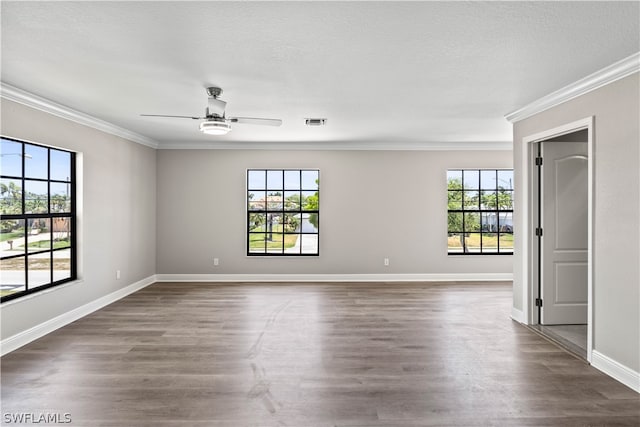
[{"x": 315, "y": 122}]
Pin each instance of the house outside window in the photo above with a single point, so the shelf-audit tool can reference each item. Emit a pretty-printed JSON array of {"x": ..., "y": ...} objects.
[
  {"x": 480, "y": 212},
  {"x": 37, "y": 218},
  {"x": 283, "y": 212}
]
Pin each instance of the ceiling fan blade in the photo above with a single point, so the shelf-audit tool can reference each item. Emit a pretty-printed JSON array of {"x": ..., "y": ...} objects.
[
  {"x": 175, "y": 117},
  {"x": 255, "y": 121}
]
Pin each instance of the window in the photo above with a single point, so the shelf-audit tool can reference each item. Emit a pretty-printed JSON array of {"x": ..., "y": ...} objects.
[
  {"x": 37, "y": 218},
  {"x": 480, "y": 211},
  {"x": 283, "y": 212}
]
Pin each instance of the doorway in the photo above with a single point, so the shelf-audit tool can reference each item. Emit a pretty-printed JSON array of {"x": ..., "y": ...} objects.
[
  {"x": 558, "y": 223},
  {"x": 562, "y": 239}
]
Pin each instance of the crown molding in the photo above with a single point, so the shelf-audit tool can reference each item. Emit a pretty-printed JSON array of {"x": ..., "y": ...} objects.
[
  {"x": 610, "y": 74},
  {"x": 20, "y": 96},
  {"x": 342, "y": 146}
]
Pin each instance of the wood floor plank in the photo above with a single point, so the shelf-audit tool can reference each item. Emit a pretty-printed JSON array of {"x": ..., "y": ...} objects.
[{"x": 312, "y": 354}]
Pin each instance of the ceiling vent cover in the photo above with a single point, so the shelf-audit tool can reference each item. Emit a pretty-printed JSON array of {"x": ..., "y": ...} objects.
[{"x": 315, "y": 122}]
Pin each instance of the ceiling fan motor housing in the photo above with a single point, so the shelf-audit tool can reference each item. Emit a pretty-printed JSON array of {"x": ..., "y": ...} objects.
[{"x": 216, "y": 107}]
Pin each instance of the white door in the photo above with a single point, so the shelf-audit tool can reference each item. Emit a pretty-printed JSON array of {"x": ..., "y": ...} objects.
[{"x": 564, "y": 233}]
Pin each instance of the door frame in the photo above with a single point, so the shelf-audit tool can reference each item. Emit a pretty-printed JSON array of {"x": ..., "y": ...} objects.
[{"x": 527, "y": 195}]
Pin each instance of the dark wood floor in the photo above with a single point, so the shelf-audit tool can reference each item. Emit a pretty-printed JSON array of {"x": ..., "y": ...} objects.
[{"x": 185, "y": 354}]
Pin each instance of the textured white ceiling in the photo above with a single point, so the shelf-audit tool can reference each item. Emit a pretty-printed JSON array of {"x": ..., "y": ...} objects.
[{"x": 381, "y": 72}]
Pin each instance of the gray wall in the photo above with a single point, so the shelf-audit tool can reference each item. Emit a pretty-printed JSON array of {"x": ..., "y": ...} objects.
[
  {"x": 373, "y": 204},
  {"x": 117, "y": 216},
  {"x": 616, "y": 252}
]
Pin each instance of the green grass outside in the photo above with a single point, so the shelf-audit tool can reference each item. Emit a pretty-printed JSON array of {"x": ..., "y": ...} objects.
[
  {"x": 44, "y": 244},
  {"x": 17, "y": 264},
  {"x": 488, "y": 241},
  {"x": 257, "y": 240},
  {"x": 11, "y": 236}
]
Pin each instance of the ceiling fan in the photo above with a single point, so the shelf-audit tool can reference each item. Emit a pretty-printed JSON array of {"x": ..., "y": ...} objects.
[{"x": 215, "y": 122}]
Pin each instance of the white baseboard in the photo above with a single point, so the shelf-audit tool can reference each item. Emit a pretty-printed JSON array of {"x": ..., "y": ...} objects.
[
  {"x": 517, "y": 315},
  {"x": 16, "y": 341},
  {"x": 615, "y": 370},
  {"x": 334, "y": 277}
]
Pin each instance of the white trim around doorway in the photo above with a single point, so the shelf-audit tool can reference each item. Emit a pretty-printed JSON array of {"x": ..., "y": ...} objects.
[{"x": 526, "y": 196}]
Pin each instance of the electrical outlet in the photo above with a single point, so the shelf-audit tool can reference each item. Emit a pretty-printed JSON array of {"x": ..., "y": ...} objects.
[
  {"x": 117, "y": 274},
  {"x": 386, "y": 262},
  {"x": 216, "y": 261}
]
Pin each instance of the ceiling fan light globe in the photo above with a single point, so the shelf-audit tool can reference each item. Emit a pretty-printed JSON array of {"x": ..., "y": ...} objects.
[{"x": 215, "y": 128}]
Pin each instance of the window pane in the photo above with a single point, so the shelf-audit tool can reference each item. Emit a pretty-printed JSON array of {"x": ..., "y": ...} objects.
[
  {"x": 454, "y": 220},
  {"x": 291, "y": 180},
  {"x": 471, "y": 200},
  {"x": 310, "y": 201},
  {"x": 309, "y": 243},
  {"x": 60, "y": 165},
  {"x": 454, "y": 180},
  {"x": 60, "y": 197},
  {"x": 489, "y": 243},
  {"x": 257, "y": 222},
  {"x": 488, "y": 200},
  {"x": 454, "y": 200},
  {"x": 61, "y": 265},
  {"x": 274, "y": 180},
  {"x": 257, "y": 242},
  {"x": 489, "y": 221},
  {"x": 11, "y": 159},
  {"x": 10, "y": 196},
  {"x": 309, "y": 180},
  {"x": 309, "y": 223},
  {"x": 12, "y": 237},
  {"x": 257, "y": 179},
  {"x": 472, "y": 243},
  {"x": 506, "y": 242},
  {"x": 274, "y": 222},
  {"x": 292, "y": 243},
  {"x": 257, "y": 200},
  {"x": 471, "y": 221},
  {"x": 455, "y": 242},
  {"x": 505, "y": 200},
  {"x": 505, "y": 179},
  {"x": 274, "y": 201},
  {"x": 39, "y": 266},
  {"x": 505, "y": 222},
  {"x": 291, "y": 223},
  {"x": 470, "y": 179},
  {"x": 36, "y": 199},
  {"x": 61, "y": 231},
  {"x": 36, "y": 162},
  {"x": 39, "y": 237},
  {"x": 12, "y": 275},
  {"x": 292, "y": 200},
  {"x": 274, "y": 242},
  {"x": 488, "y": 179}
]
